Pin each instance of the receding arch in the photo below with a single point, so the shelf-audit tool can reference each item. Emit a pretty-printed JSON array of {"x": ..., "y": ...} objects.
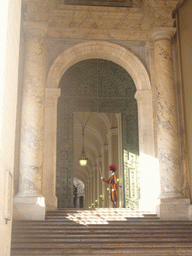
[{"x": 103, "y": 50}]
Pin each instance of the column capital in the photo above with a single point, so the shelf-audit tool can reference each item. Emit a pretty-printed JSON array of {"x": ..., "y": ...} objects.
[
  {"x": 143, "y": 95},
  {"x": 162, "y": 33},
  {"x": 118, "y": 116},
  {"x": 112, "y": 131},
  {"x": 36, "y": 28}
]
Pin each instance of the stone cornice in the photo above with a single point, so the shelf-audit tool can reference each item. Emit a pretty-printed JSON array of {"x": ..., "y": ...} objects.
[
  {"x": 179, "y": 5},
  {"x": 102, "y": 23}
]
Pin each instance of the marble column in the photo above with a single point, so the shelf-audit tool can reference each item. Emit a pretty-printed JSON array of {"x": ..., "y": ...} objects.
[
  {"x": 50, "y": 137},
  {"x": 172, "y": 203},
  {"x": 29, "y": 202}
]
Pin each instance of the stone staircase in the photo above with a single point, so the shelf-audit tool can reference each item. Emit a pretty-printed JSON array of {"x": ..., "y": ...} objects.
[{"x": 101, "y": 232}]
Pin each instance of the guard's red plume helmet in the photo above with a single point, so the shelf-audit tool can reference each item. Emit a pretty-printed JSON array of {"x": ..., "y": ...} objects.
[{"x": 113, "y": 166}]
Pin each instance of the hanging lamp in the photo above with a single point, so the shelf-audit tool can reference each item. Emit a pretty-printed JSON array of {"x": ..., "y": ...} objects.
[{"x": 83, "y": 159}]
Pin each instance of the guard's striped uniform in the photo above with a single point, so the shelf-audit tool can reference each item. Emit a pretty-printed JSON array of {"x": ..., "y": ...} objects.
[{"x": 113, "y": 186}]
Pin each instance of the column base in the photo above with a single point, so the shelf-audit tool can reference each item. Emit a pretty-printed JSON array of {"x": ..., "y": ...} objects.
[
  {"x": 173, "y": 209},
  {"x": 29, "y": 208},
  {"x": 190, "y": 212},
  {"x": 51, "y": 203}
]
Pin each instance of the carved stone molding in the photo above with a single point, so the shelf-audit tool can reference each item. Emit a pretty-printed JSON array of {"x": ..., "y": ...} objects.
[{"x": 35, "y": 28}]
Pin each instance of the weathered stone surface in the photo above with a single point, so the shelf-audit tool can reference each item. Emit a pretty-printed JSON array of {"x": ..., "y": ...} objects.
[{"x": 107, "y": 23}]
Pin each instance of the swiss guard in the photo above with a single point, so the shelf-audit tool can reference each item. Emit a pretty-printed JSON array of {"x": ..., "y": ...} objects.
[{"x": 112, "y": 181}]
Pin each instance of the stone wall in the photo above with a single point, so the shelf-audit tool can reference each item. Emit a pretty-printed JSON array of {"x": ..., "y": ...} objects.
[
  {"x": 9, "y": 51},
  {"x": 185, "y": 39}
]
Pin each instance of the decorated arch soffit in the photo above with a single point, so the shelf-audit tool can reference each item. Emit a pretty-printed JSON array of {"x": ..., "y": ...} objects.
[{"x": 99, "y": 50}]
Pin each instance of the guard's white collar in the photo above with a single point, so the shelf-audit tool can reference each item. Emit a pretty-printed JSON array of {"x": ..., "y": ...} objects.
[{"x": 112, "y": 174}]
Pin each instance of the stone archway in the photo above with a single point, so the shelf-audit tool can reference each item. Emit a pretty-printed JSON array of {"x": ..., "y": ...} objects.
[
  {"x": 103, "y": 50},
  {"x": 91, "y": 50}
]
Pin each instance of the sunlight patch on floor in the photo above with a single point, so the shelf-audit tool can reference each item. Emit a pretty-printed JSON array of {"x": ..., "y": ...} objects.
[{"x": 104, "y": 215}]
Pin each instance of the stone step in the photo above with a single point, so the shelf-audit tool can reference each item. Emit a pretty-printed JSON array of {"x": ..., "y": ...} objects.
[
  {"x": 173, "y": 251},
  {"x": 60, "y": 216},
  {"x": 110, "y": 220},
  {"x": 101, "y": 212},
  {"x": 116, "y": 225},
  {"x": 104, "y": 245},
  {"x": 144, "y": 250},
  {"x": 103, "y": 239},
  {"x": 124, "y": 213},
  {"x": 101, "y": 232},
  {"x": 125, "y": 219},
  {"x": 115, "y": 230}
]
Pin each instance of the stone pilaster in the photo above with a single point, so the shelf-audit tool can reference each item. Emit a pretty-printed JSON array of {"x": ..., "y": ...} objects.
[
  {"x": 173, "y": 204},
  {"x": 87, "y": 195},
  {"x": 149, "y": 168},
  {"x": 120, "y": 162},
  {"x": 89, "y": 192},
  {"x": 50, "y": 137},
  {"x": 99, "y": 183},
  {"x": 112, "y": 147},
  {"x": 29, "y": 202},
  {"x": 93, "y": 186},
  {"x": 105, "y": 174},
  {"x": 113, "y": 151}
]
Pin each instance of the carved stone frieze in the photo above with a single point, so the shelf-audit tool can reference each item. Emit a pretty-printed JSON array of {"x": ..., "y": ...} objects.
[{"x": 83, "y": 21}]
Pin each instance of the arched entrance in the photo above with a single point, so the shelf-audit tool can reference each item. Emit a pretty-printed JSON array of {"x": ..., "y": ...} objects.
[
  {"x": 136, "y": 69},
  {"x": 78, "y": 193},
  {"x": 96, "y": 86}
]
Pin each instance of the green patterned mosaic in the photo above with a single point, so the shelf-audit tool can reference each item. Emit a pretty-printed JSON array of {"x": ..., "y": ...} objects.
[{"x": 93, "y": 86}]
